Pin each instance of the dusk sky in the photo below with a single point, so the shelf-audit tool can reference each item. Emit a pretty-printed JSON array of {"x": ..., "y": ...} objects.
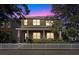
[{"x": 40, "y": 10}]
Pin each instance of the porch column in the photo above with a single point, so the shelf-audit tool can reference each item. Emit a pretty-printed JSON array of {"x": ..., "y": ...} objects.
[
  {"x": 27, "y": 33},
  {"x": 43, "y": 34},
  {"x": 18, "y": 35}
]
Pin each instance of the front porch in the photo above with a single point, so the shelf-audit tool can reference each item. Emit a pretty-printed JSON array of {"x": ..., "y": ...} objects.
[
  {"x": 38, "y": 34},
  {"x": 35, "y": 35}
]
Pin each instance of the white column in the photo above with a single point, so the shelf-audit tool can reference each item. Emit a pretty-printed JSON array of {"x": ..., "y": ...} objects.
[
  {"x": 60, "y": 35},
  {"x": 18, "y": 35},
  {"x": 43, "y": 34},
  {"x": 27, "y": 33}
]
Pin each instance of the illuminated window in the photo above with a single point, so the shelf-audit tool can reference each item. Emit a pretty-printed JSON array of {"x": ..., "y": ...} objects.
[
  {"x": 36, "y": 35},
  {"x": 36, "y": 22},
  {"x": 25, "y": 22},
  {"x": 50, "y": 35},
  {"x": 49, "y": 23}
]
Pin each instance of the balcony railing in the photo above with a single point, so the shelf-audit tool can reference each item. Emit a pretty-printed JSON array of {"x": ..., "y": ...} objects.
[{"x": 35, "y": 28}]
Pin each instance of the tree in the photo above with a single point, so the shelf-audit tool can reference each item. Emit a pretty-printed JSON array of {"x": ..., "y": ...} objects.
[
  {"x": 69, "y": 15},
  {"x": 11, "y": 12},
  {"x": 57, "y": 27}
]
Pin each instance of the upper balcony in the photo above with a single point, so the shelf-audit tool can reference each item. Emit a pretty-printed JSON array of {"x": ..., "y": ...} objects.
[{"x": 36, "y": 24}]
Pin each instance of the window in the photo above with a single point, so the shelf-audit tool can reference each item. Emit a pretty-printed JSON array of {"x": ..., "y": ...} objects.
[
  {"x": 36, "y": 22},
  {"x": 49, "y": 23},
  {"x": 36, "y": 35},
  {"x": 50, "y": 35},
  {"x": 25, "y": 22}
]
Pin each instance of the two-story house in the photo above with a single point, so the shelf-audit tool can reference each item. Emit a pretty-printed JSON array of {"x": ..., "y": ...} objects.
[
  {"x": 39, "y": 28},
  {"x": 35, "y": 28}
]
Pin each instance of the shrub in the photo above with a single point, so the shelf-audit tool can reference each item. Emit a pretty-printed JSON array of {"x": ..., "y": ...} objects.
[{"x": 47, "y": 41}]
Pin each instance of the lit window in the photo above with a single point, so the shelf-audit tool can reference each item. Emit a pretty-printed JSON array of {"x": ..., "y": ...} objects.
[
  {"x": 36, "y": 22},
  {"x": 25, "y": 22},
  {"x": 49, "y": 23},
  {"x": 36, "y": 35},
  {"x": 50, "y": 35}
]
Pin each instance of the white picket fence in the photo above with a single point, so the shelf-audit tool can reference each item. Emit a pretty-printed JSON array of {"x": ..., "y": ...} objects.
[{"x": 39, "y": 46}]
